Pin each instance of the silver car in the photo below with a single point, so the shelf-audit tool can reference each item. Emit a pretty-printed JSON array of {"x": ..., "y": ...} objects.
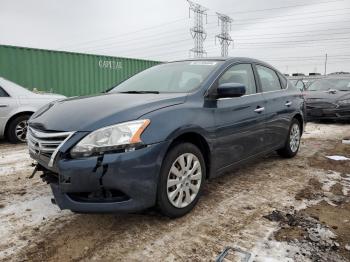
[{"x": 17, "y": 104}]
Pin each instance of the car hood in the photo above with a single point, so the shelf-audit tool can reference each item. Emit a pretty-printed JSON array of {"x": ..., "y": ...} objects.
[
  {"x": 50, "y": 96},
  {"x": 93, "y": 112},
  {"x": 314, "y": 96},
  {"x": 39, "y": 98}
]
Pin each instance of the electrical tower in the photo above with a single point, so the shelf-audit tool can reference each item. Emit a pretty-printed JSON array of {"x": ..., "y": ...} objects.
[
  {"x": 224, "y": 37},
  {"x": 197, "y": 31}
]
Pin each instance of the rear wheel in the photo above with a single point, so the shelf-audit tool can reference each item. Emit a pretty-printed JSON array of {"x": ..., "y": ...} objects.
[
  {"x": 181, "y": 180},
  {"x": 17, "y": 129},
  {"x": 291, "y": 147}
]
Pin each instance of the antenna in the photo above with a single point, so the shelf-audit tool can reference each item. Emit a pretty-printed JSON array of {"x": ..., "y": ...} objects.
[
  {"x": 197, "y": 31},
  {"x": 224, "y": 37}
]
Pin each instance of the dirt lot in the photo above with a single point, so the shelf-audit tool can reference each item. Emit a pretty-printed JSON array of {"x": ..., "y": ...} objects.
[{"x": 275, "y": 209}]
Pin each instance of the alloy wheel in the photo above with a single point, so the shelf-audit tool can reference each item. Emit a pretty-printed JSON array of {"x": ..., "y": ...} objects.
[
  {"x": 21, "y": 130},
  {"x": 184, "y": 180},
  {"x": 294, "y": 138}
]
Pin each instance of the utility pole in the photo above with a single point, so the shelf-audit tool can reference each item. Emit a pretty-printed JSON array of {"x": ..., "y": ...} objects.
[
  {"x": 224, "y": 37},
  {"x": 325, "y": 65},
  {"x": 197, "y": 31}
]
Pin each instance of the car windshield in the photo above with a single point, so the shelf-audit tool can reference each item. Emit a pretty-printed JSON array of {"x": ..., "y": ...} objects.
[
  {"x": 176, "y": 77},
  {"x": 14, "y": 89},
  {"x": 327, "y": 84}
]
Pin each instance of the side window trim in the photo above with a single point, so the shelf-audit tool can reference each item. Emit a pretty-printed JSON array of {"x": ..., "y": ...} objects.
[
  {"x": 257, "y": 79},
  {"x": 280, "y": 77}
]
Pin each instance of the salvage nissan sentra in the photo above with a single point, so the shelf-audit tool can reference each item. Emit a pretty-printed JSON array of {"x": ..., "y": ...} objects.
[{"x": 155, "y": 139}]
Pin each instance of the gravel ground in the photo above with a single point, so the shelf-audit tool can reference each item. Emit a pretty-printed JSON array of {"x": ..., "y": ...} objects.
[{"x": 275, "y": 209}]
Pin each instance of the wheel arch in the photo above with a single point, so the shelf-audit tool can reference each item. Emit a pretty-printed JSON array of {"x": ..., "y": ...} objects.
[
  {"x": 300, "y": 118},
  {"x": 15, "y": 116},
  {"x": 198, "y": 140}
]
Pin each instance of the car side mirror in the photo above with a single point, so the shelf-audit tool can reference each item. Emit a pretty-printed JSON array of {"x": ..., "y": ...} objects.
[{"x": 230, "y": 90}]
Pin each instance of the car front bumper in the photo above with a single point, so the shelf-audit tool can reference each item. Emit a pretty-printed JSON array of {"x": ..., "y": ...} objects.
[
  {"x": 339, "y": 113},
  {"x": 120, "y": 182}
]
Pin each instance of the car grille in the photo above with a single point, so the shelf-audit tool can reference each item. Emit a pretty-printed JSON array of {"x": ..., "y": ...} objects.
[{"x": 46, "y": 143}]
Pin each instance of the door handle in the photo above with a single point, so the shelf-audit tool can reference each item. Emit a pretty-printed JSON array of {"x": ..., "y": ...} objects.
[
  {"x": 3, "y": 105},
  {"x": 288, "y": 103},
  {"x": 259, "y": 109}
]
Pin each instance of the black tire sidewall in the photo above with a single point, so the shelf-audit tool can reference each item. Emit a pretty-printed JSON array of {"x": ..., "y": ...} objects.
[
  {"x": 162, "y": 198},
  {"x": 11, "y": 130}
]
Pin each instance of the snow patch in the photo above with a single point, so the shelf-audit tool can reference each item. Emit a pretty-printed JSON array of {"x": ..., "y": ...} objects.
[{"x": 338, "y": 158}]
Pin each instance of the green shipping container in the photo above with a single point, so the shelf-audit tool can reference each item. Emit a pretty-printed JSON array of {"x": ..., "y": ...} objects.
[{"x": 66, "y": 73}]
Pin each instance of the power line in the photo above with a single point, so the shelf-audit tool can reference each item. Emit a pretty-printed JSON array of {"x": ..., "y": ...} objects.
[
  {"x": 256, "y": 47},
  {"x": 150, "y": 54},
  {"x": 296, "y": 41},
  {"x": 284, "y": 7},
  {"x": 240, "y": 45},
  {"x": 182, "y": 19},
  {"x": 290, "y": 35},
  {"x": 297, "y": 14},
  {"x": 288, "y": 19},
  {"x": 129, "y": 33},
  {"x": 285, "y": 26}
]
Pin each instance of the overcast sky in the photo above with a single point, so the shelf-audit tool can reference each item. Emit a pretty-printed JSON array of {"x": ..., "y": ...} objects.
[{"x": 293, "y": 35}]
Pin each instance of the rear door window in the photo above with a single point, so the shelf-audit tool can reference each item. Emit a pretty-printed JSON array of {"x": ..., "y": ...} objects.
[
  {"x": 241, "y": 73},
  {"x": 268, "y": 79}
]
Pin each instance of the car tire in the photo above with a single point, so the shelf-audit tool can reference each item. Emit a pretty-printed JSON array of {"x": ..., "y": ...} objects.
[
  {"x": 181, "y": 180},
  {"x": 17, "y": 129},
  {"x": 292, "y": 145}
]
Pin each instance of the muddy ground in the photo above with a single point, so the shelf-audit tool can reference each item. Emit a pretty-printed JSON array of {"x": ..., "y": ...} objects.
[{"x": 275, "y": 209}]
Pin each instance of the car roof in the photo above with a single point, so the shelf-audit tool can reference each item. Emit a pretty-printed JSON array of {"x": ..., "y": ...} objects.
[
  {"x": 219, "y": 58},
  {"x": 228, "y": 59}
]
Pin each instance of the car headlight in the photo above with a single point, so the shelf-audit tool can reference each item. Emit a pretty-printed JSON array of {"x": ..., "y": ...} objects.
[
  {"x": 344, "y": 102},
  {"x": 124, "y": 136}
]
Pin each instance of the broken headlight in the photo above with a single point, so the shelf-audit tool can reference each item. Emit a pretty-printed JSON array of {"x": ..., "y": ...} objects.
[{"x": 124, "y": 136}]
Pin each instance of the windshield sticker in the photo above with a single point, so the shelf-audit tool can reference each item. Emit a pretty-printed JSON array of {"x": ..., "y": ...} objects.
[{"x": 208, "y": 63}]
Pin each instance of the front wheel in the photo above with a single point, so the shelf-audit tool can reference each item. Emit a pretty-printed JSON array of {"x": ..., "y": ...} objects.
[
  {"x": 17, "y": 129},
  {"x": 181, "y": 180},
  {"x": 291, "y": 147}
]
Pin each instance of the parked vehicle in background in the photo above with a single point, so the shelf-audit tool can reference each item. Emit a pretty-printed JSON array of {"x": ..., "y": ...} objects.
[
  {"x": 299, "y": 84},
  {"x": 155, "y": 138},
  {"x": 17, "y": 104},
  {"x": 302, "y": 84},
  {"x": 328, "y": 98}
]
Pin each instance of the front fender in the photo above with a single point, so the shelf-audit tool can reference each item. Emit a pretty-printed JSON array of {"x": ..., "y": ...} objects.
[
  {"x": 17, "y": 111},
  {"x": 169, "y": 123}
]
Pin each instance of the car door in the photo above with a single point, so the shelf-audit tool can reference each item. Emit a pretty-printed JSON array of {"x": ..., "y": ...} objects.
[
  {"x": 239, "y": 120},
  {"x": 278, "y": 106},
  {"x": 7, "y": 105}
]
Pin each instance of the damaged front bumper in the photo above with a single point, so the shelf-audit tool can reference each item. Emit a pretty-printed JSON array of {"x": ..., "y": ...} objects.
[{"x": 118, "y": 182}]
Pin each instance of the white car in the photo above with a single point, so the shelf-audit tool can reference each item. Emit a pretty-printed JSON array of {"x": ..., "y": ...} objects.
[{"x": 17, "y": 104}]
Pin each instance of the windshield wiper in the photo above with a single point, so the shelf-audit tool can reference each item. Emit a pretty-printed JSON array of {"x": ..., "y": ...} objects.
[{"x": 139, "y": 92}]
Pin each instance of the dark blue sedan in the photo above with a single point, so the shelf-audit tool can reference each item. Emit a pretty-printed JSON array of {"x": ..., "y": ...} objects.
[{"x": 155, "y": 139}]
